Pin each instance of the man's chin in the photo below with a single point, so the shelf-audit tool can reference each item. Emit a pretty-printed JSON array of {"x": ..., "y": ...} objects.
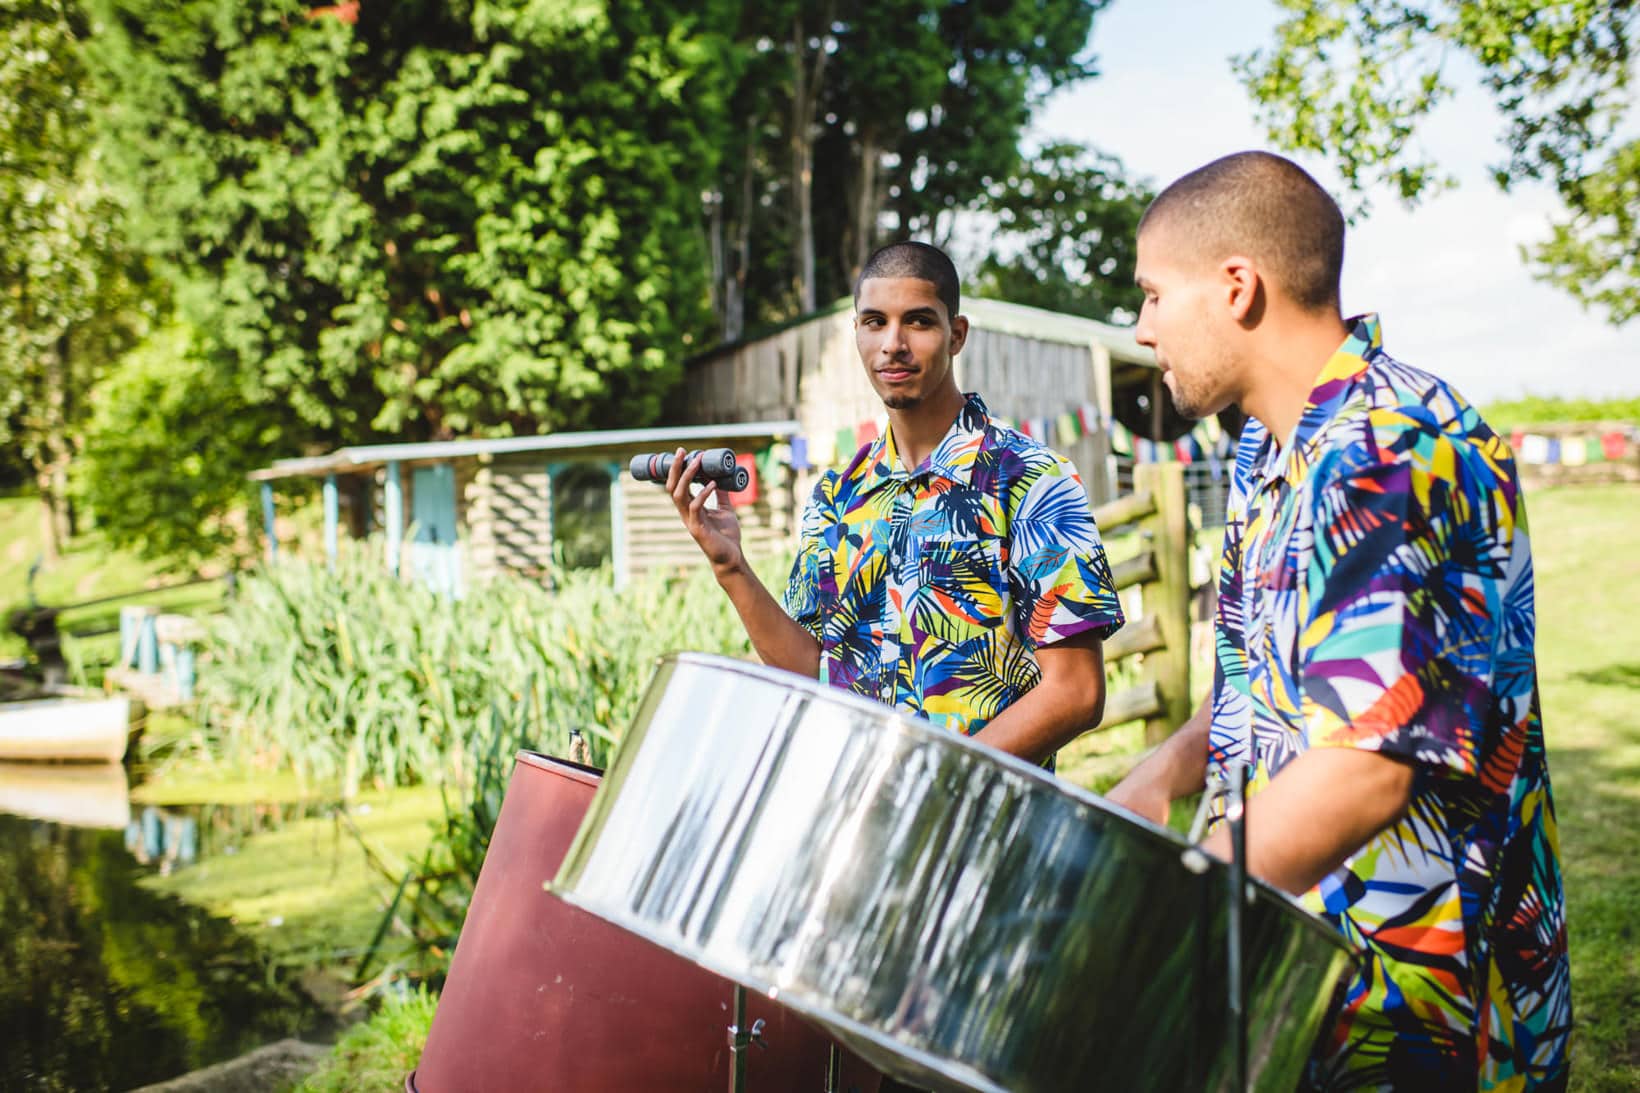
[{"x": 900, "y": 402}]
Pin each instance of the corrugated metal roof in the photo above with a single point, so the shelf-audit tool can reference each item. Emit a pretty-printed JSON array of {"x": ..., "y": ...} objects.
[{"x": 370, "y": 456}]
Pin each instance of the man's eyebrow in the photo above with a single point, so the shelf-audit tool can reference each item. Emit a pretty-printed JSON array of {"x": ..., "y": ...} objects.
[{"x": 922, "y": 313}]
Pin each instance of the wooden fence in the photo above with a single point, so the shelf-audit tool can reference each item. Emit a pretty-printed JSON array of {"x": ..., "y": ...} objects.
[{"x": 1160, "y": 632}]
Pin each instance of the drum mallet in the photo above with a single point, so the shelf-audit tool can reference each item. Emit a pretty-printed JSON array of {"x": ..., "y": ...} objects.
[{"x": 716, "y": 465}]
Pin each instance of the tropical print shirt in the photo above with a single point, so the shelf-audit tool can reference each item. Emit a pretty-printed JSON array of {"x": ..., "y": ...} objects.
[
  {"x": 1376, "y": 593},
  {"x": 931, "y": 589}
]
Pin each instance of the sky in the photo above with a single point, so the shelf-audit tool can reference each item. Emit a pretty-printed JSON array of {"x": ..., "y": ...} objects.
[{"x": 1447, "y": 278}]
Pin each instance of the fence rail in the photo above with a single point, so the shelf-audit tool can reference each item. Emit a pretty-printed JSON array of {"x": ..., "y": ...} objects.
[{"x": 1158, "y": 511}]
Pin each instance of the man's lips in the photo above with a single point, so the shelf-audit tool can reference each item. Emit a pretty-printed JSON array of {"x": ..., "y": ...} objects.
[{"x": 896, "y": 375}]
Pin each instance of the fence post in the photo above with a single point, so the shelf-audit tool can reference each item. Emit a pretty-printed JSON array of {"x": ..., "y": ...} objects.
[
  {"x": 393, "y": 514},
  {"x": 1167, "y": 600}
]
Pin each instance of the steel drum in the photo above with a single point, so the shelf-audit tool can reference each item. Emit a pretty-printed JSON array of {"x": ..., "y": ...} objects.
[
  {"x": 545, "y": 998},
  {"x": 957, "y": 917}
]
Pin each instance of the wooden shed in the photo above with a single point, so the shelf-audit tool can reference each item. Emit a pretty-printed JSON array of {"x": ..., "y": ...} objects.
[
  {"x": 1033, "y": 368},
  {"x": 451, "y": 511}
]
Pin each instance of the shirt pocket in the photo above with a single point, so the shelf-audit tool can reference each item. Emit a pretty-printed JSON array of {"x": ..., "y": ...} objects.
[{"x": 961, "y": 589}]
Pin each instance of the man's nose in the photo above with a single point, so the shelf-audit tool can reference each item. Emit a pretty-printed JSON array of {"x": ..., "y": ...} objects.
[{"x": 1141, "y": 330}]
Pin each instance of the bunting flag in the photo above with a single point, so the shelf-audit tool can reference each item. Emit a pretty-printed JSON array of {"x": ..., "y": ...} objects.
[
  {"x": 846, "y": 445},
  {"x": 1553, "y": 454},
  {"x": 1592, "y": 451},
  {"x": 1534, "y": 448},
  {"x": 1614, "y": 445},
  {"x": 1181, "y": 448},
  {"x": 1121, "y": 441},
  {"x": 1574, "y": 453},
  {"x": 1516, "y": 439},
  {"x": 748, "y": 496},
  {"x": 1087, "y": 416},
  {"x": 770, "y": 469},
  {"x": 865, "y": 433},
  {"x": 1069, "y": 429},
  {"x": 823, "y": 450},
  {"x": 800, "y": 453}
]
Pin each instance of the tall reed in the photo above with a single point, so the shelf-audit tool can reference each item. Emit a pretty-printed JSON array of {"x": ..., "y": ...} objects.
[{"x": 358, "y": 677}]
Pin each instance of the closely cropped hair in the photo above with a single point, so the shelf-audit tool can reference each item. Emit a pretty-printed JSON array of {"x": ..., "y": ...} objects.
[
  {"x": 918, "y": 260},
  {"x": 1267, "y": 208}
]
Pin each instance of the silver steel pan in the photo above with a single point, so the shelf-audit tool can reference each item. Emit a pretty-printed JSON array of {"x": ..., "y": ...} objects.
[{"x": 957, "y": 917}]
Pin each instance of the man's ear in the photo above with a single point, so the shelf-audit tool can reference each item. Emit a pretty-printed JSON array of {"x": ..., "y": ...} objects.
[
  {"x": 959, "y": 334},
  {"x": 1241, "y": 284}
]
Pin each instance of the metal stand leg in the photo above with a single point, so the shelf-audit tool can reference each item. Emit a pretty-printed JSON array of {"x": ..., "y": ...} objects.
[
  {"x": 1237, "y": 815},
  {"x": 741, "y": 1038},
  {"x": 834, "y": 1070}
]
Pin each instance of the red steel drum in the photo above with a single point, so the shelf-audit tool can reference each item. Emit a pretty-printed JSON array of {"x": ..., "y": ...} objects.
[{"x": 544, "y": 996}]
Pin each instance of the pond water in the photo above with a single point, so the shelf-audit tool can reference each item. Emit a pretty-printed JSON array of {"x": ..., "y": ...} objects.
[{"x": 106, "y": 984}]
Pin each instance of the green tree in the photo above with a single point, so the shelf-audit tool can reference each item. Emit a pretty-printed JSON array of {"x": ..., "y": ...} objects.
[
  {"x": 436, "y": 220},
  {"x": 166, "y": 450},
  {"x": 1067, "y": 223},
  {"x": 72, "y": 294},
  {"x": 865, "y": 122},
  {"x": 1354, "y": 78}
]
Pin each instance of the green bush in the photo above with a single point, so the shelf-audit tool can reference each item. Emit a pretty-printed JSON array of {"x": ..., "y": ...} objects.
[
  {"x": 357, "y": 676},
  {"x": 380, "y": 1052},
  {"x": 1538, "y": 410}
]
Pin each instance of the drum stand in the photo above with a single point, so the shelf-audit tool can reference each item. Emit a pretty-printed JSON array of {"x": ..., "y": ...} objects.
[
  {"x": 741, "y": 1038},
  {"x": 1235, "y": 788}
]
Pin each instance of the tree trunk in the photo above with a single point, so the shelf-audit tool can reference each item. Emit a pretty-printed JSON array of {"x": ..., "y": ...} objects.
[
  {"x": 734, "y": 291},
  {"x": 806, "y": 85},
  {"x": 865, "y": 205}
]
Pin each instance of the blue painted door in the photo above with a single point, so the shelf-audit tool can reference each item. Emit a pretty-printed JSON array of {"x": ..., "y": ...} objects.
[{"x": 434, "y": 556}]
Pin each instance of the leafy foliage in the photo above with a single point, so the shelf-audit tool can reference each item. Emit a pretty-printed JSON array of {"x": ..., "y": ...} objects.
[
  {"x": 170, "y": 438},
  {"x": 437, "y": 221},
  {"x": 72, "y": 293},
  {"x": 1074, "y": 218},
  {"x": 1355, "y": 78},
  {"x": 378, "y": 1053},
  {"x": 1519, "y": 413}
]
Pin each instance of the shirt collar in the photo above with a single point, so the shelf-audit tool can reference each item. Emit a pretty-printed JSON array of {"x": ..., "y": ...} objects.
[
  {"x": 1332, "y": 389},
  {"x": 952, "y": 459}
]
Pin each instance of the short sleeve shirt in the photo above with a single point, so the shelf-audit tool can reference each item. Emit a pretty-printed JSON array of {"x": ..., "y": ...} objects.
[
  {"x": 931, "y": 589},
  {"x": 1376, "y": 593}
]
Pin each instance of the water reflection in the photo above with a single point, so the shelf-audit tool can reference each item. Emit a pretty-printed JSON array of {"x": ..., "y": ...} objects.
[
  {"x": 105, "y": 984},
  {"x": 165, "y": 838}
]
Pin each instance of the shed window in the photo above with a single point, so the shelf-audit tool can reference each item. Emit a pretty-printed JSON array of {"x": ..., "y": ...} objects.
[{"x": 582, "y": 532}]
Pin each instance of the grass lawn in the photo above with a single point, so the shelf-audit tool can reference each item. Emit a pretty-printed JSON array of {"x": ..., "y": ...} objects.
[
  {"x": 1588, "y": 595},
  {"x": 1588, "y": 600},
  {"x": 87, "y": 570}
]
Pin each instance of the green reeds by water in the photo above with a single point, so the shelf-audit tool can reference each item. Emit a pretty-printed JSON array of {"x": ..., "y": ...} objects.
[{"x": 357, "y": 677}]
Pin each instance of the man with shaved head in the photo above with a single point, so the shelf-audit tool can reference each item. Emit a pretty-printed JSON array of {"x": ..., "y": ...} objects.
[{"x": 1376, "y": 671}]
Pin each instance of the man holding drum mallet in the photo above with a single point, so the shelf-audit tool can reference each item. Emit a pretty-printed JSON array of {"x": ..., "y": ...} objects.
[
  {"x": 1375, "y": 647},
  {"x": 952, "y": 568}
]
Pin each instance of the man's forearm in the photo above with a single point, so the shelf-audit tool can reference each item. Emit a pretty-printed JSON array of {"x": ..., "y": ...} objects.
[
  {"x": 1042, "y": 722},
  {"x": 776, "y": 638},
  {"x": 1321, "y": 808},
  {"x": 1179, "y": 764},
  {"x": 1066, "y": 702}
]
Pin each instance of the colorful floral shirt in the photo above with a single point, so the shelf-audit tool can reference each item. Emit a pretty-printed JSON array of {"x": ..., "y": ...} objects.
[
  {"x": 931, "y": 590},
  {"x": 1376, "y": 593}
]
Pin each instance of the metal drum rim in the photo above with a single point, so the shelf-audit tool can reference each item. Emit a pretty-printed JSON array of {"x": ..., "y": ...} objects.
[{"x": 901, "y": 721}]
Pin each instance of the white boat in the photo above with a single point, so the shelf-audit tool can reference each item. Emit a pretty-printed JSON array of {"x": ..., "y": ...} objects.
[
  {"x": 75, "y": 794},
  {"x": 71, "y": 728}
]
